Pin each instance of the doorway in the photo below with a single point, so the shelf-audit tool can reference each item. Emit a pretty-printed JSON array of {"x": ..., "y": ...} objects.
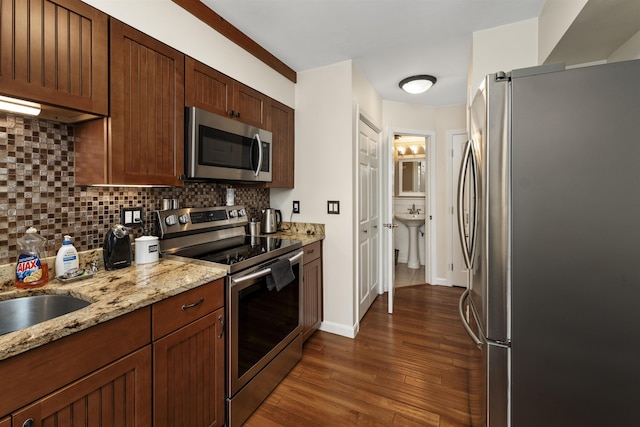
[{"x": 410, "y": 187}]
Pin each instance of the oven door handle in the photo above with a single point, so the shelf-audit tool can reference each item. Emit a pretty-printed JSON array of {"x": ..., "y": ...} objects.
[{"x": 266, "y": 271}]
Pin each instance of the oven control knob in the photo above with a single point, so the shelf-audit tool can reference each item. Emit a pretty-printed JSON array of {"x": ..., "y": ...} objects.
[
  {"x": 183, "y": 219},
  {"x": 233, "y": 213},
  {"x": 170, "y": 220},
  {"x": 242, "y": 212}
]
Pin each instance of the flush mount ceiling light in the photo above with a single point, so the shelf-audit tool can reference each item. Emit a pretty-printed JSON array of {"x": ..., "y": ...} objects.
[
  {"x": 19, "y": 106},
  {"x": 417, "y": 84}
]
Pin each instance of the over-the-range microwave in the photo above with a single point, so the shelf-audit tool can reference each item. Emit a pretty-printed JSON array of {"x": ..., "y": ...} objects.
[{"x": 220, "y": 148}]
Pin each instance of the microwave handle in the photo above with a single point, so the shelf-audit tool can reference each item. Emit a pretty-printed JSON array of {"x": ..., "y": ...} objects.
[{"x": 257, "y": 171}]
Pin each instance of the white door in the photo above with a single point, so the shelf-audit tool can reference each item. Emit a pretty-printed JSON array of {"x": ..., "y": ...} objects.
[
  {"x": 368, "y": 217},
  {"x": 389, "y": 225},
  {"x": 459, "y": 273}
]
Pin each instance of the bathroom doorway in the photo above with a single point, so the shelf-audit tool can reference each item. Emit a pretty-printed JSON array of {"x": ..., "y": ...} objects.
[{"x": 412, "y": 206}]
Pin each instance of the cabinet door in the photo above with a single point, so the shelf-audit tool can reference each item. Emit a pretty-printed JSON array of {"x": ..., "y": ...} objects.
[
  {"x": 146, "y": 141},
  {"x": 189, "y": 374},
  {"x": 116, "y": 395},
  {"x": 55, "y": 52},
  {"x": 281, "y": 119},
  {"x": 207, "y": 88},
  {"x": 312, "y": 290},
  {"x": 249, "y": 105},
  {"x": 6, "y": 422}
]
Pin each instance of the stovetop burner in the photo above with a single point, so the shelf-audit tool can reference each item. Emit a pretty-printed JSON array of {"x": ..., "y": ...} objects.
[
  {"x": 217, "y": 235},
  {"x": 239, "y": 249}
]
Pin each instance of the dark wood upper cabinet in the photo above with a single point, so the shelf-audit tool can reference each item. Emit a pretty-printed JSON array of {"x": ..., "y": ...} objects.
[
  {"x": 213, "y": 91},
  {"x": 146, "y": 138},
  {"x": 249, "y": 105},
  {"x": 281, "y": 125},
  {"x": 55, "y": 52},
  {"x": 207, "y": 88}
]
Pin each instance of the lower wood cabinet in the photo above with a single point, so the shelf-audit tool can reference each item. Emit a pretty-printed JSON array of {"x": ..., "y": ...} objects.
[
  {"x": 60, "y": 373},
  {"x": 312, "y": 289},
  {"x": 116, "y": 395},
  {"x": 188, "y": 362},
  {"x": 161, "y": 365}
]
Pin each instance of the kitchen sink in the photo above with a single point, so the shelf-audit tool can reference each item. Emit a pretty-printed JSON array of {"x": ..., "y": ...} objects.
[{"x": 20, "y": 313}]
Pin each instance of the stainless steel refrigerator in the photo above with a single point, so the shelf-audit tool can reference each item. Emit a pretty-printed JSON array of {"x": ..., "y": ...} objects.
[{"x": 551, "y": 176}]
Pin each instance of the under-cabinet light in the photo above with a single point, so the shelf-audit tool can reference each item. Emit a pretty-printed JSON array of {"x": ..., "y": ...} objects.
[{"x": 19, "y": 106}]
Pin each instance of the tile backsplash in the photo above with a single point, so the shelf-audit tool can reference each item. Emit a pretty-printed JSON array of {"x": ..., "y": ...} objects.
[{"x": 37, "y": 188}]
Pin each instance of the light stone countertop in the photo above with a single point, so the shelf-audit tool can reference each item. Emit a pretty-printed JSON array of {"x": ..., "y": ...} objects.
[
  {"x": 118, "y": 292},
  {"x": 111, "y": 293},
  {"x": 305, "y": 232}
]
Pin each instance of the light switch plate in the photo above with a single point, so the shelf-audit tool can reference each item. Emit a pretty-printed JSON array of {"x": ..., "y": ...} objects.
[
  {"x": 296, "y": 206},
  {"x": 333, "y": 207},
  {"x": 132, "y": 217}
]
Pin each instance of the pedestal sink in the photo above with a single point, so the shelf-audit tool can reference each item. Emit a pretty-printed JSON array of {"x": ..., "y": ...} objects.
[{"x": 413, "y": 221}]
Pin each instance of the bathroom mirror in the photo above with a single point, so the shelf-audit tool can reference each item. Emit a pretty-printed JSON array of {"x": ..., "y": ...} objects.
[{"x": 412, "y": 176}]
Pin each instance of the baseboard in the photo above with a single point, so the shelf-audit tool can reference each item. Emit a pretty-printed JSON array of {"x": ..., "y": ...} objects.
[
  {"x": 339, "y": 329},
  {"x": 441, "y": 281}
]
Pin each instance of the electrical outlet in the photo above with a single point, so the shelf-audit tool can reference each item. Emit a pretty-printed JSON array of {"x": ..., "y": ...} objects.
[
  {"x": 132, "y": 217},
  {"x": 296, "y": 206}
]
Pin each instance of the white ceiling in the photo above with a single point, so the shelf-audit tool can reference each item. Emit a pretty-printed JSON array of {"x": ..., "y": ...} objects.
[{"x": 388, "y": 40}]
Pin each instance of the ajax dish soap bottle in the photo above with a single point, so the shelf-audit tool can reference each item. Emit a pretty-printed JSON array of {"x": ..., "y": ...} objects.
[
  {"x": 67, "y": 258},
  {"x": 31, "y": 270}
]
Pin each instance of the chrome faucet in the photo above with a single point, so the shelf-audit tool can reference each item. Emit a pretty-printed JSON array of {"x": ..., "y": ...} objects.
[{"x": 413, "y": 210}]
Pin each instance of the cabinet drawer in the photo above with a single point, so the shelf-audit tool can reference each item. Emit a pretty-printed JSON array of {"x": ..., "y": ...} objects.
[
  {"x": 180, "y": 310},
  {"x": 312, "y": 251}
]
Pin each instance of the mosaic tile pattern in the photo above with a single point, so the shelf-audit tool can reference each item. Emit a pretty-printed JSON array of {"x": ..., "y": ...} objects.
[{"x": 37, "y": 188}]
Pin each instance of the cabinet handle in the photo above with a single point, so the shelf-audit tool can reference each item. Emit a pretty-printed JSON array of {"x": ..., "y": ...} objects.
[
  {"x": 237, "y": 114},
  {"x": 28, "y": 423},
  {"x": 188, "y": 306},
  {"x": 221, "y": 320},
  {"x": 309, "y": 252},
  {"x": 232, "y": 113}
]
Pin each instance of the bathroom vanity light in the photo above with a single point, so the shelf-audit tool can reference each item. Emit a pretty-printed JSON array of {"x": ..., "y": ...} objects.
[
  {"x": 417, "y": 84},
  {"x": 19, "y": 106}
]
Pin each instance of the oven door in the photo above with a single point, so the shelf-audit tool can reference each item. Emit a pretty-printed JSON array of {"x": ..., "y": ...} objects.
[{"x": 260, "y": 322}]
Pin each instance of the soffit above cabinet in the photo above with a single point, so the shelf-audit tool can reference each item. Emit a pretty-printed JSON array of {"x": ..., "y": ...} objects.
[{"x": 598, "y": 31}]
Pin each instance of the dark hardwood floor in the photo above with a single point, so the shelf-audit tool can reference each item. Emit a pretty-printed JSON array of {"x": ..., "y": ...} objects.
[{"x": 405, "y": 369}]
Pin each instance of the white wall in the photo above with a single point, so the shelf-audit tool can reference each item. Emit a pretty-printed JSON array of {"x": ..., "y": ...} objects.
[
  {"x": 554, "y": 20},
  {"x": 447, "y": 119},
  {"x": 174, "y": 26},
  {"x": 629, "y": 50},
  {"x": 503, "y": 48},
  {"x": 324, "y": 164},
  {"x": 326, "y": 100}
]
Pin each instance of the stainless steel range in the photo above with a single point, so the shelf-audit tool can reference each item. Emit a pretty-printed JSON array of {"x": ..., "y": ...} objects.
[{"x": 263, "y": 318}]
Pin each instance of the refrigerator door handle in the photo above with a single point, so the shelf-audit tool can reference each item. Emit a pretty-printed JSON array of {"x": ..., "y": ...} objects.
[
  {"x": 468, "y": 247},
  {"x": 477, "y": 341}
]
